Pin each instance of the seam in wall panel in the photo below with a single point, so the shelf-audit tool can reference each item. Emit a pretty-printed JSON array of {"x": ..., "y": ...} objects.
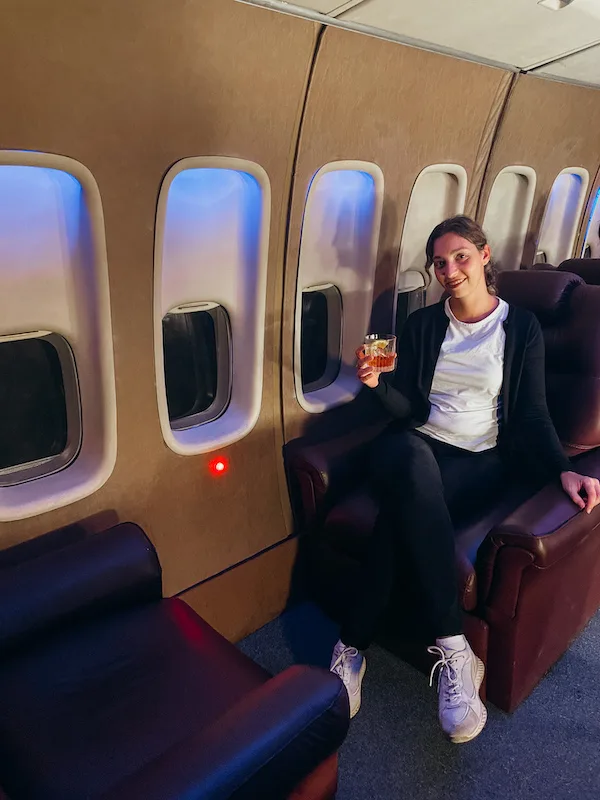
[
  {"x": 486, "y": 145},
  {"x": 284, "y": 492}
]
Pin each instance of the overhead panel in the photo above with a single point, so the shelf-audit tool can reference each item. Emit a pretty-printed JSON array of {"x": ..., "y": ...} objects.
[
  {"x": 522, "y": 33},
  {"x": 583, "y": 67}
]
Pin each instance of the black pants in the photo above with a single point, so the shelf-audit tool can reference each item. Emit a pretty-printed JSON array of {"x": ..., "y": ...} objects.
[{"x": 423, "y": 486}]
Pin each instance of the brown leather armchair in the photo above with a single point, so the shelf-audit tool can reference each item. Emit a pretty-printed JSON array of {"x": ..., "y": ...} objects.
[
  {"x": 528, "y": 566},
  {"x": 108, "y": 690}
]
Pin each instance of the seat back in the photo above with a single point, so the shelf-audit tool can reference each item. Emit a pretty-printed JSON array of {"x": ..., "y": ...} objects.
[
  {"x": 75, "y": 580},
  {"x": 588, "y": 269},
  {"x": 569, "y": 313}
]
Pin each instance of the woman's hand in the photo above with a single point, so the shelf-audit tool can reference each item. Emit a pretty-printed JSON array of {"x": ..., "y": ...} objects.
[
  {"x": 364, "y": 370},
  {"x": 574, "y": 484}
]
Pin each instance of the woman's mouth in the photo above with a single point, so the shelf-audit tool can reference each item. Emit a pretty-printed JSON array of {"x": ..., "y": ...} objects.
[{"x": 454, "y": 284}]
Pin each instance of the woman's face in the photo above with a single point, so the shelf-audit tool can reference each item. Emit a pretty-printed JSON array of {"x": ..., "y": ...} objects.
[{"x": 459, "y": 265}]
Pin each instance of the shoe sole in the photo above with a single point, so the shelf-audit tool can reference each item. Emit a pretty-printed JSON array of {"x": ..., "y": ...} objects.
[
  {"x": 361, "y": 675},
  {"x": 483, "y": 720}
]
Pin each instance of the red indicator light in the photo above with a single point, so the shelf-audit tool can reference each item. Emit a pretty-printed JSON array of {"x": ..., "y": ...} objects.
[{"x": 218, "y": 466}]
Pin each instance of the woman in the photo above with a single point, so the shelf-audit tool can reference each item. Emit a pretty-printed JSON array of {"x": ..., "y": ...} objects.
[{"x": 468, "y": 395}]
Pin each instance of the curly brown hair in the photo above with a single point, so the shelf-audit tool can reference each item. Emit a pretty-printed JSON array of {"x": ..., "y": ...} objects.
[{"x": 472, "y": 232}]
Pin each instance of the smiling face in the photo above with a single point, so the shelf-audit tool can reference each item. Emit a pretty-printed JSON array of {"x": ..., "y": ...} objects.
[{"x": 459, "y": 265}]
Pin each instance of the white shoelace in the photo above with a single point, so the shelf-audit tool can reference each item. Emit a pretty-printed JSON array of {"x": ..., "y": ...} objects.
[
  {"x": 453, "y": 682},
  {"x": 341, "y": 665}
]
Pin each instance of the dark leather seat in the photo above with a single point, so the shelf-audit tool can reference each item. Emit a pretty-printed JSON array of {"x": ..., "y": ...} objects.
[
  {"x": 527, "y": 565},
  {"x": 107, "y": 690},
  {"x": 588, "y": 269}
]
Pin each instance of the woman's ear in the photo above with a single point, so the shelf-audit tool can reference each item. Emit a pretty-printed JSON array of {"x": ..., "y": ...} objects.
[{"x": 487, "y": 254}]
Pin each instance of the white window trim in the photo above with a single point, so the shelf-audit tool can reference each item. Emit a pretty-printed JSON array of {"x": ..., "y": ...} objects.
[
  {"x": 346, "y": 385},
  {"x": 96, "y": 460},
  {"x": 409, "y": 279},
  {"x": 570, "y": 243},
  {"x": 244, "y": 407},
  {"x": 531, "y": 177}
]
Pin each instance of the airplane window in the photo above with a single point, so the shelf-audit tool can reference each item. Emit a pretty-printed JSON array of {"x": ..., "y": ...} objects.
[
  {"x": 591, "y": 247},
  {"x": 439, "y": 192},
  {"x": 336, "y": 269},
  {"x": 320, "y": 343},
  {"x": 196, "y": 348},
  {"x": 562, "y": 214},
  {"x": 55, "y": 310},
  {"x": 507, "y": 214},
  {"x": 211, "y": 241},
  {"x": 39, "y": 408}
]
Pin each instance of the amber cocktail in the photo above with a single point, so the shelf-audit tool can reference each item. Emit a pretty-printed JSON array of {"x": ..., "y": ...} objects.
[{"x": 381, "y": 350}]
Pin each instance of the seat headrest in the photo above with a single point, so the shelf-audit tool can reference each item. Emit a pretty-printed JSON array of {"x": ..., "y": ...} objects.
[
  {"x": 587, "y": 268},
  {"x": 546, "y": 293},
  {"x": 542, "y": 266},
  {"x": 97, "y": 574}
]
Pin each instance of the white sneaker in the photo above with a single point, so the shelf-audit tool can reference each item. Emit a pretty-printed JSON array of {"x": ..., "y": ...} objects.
[
  {"x": 350, "y": 666},
  {"x": 462, "y": 714}
]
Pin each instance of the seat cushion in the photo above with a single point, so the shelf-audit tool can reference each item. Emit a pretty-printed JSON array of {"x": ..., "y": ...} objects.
[
  {"x": 349, "y": 526},
  {"x": 92, "y": 705},
  {"x": 471, "y": 532}
]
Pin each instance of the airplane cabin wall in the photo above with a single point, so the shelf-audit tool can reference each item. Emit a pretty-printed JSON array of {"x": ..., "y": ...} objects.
[
  {"x": 402, "y": 109},
  {"x": 128, "y": 89},
  {"x": 548, "y": 126}
]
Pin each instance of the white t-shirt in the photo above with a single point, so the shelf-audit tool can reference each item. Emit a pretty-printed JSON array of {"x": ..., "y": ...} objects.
[{"x": 467, "y": 382}]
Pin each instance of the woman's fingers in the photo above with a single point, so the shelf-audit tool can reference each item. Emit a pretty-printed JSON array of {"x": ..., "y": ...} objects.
[
  {"x": 361, "y": 358},
  {"x": 592, "y": 490},
  {"x": 364, "y": 373},
  {"x": 576, "y": 498},
  {"x": 572, "y": 484},
  {"x": 575, "y": 485}
]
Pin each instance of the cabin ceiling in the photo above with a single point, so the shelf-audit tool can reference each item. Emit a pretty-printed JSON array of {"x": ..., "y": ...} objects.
[
  {"x": 583, "y": 67},
  {"x": 557, "y": 38}
]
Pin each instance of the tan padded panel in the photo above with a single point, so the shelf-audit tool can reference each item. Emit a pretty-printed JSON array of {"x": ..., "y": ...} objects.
[
  {"x": 243, "y": 599},
  {"x": 403, "y": 109},
  {"x": 129, "y": 88},
  {"x": 548, "y": 126}
]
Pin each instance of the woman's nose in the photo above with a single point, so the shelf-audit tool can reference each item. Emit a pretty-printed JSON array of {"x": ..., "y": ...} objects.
[{"x": 451, "y": 269}]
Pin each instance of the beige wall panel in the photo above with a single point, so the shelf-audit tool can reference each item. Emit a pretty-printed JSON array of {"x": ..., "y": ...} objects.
[
  {"x": 248, "y": 596},
  {"x": 548, "y": 126},
  {"x": 403, "y": 109},
  {"x": 128, "y": 88}
]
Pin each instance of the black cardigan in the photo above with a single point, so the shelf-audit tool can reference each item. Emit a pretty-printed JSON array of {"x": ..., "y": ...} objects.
[{"x": 525, "y": 428}]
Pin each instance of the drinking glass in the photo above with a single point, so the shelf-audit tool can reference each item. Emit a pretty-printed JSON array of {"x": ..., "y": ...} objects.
[{"x": 381, "y": 349}]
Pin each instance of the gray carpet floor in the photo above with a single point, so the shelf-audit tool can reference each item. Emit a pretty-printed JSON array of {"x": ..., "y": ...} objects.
[{"x": 549, "y": 748}]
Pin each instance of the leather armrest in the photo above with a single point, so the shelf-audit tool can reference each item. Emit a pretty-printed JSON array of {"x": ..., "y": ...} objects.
[
  {"x": 261, "y": 747},
  {"x": 540, "y": 532},
  {"x": 326, "y": 470},
  {"x": 548, "y": 526}
]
